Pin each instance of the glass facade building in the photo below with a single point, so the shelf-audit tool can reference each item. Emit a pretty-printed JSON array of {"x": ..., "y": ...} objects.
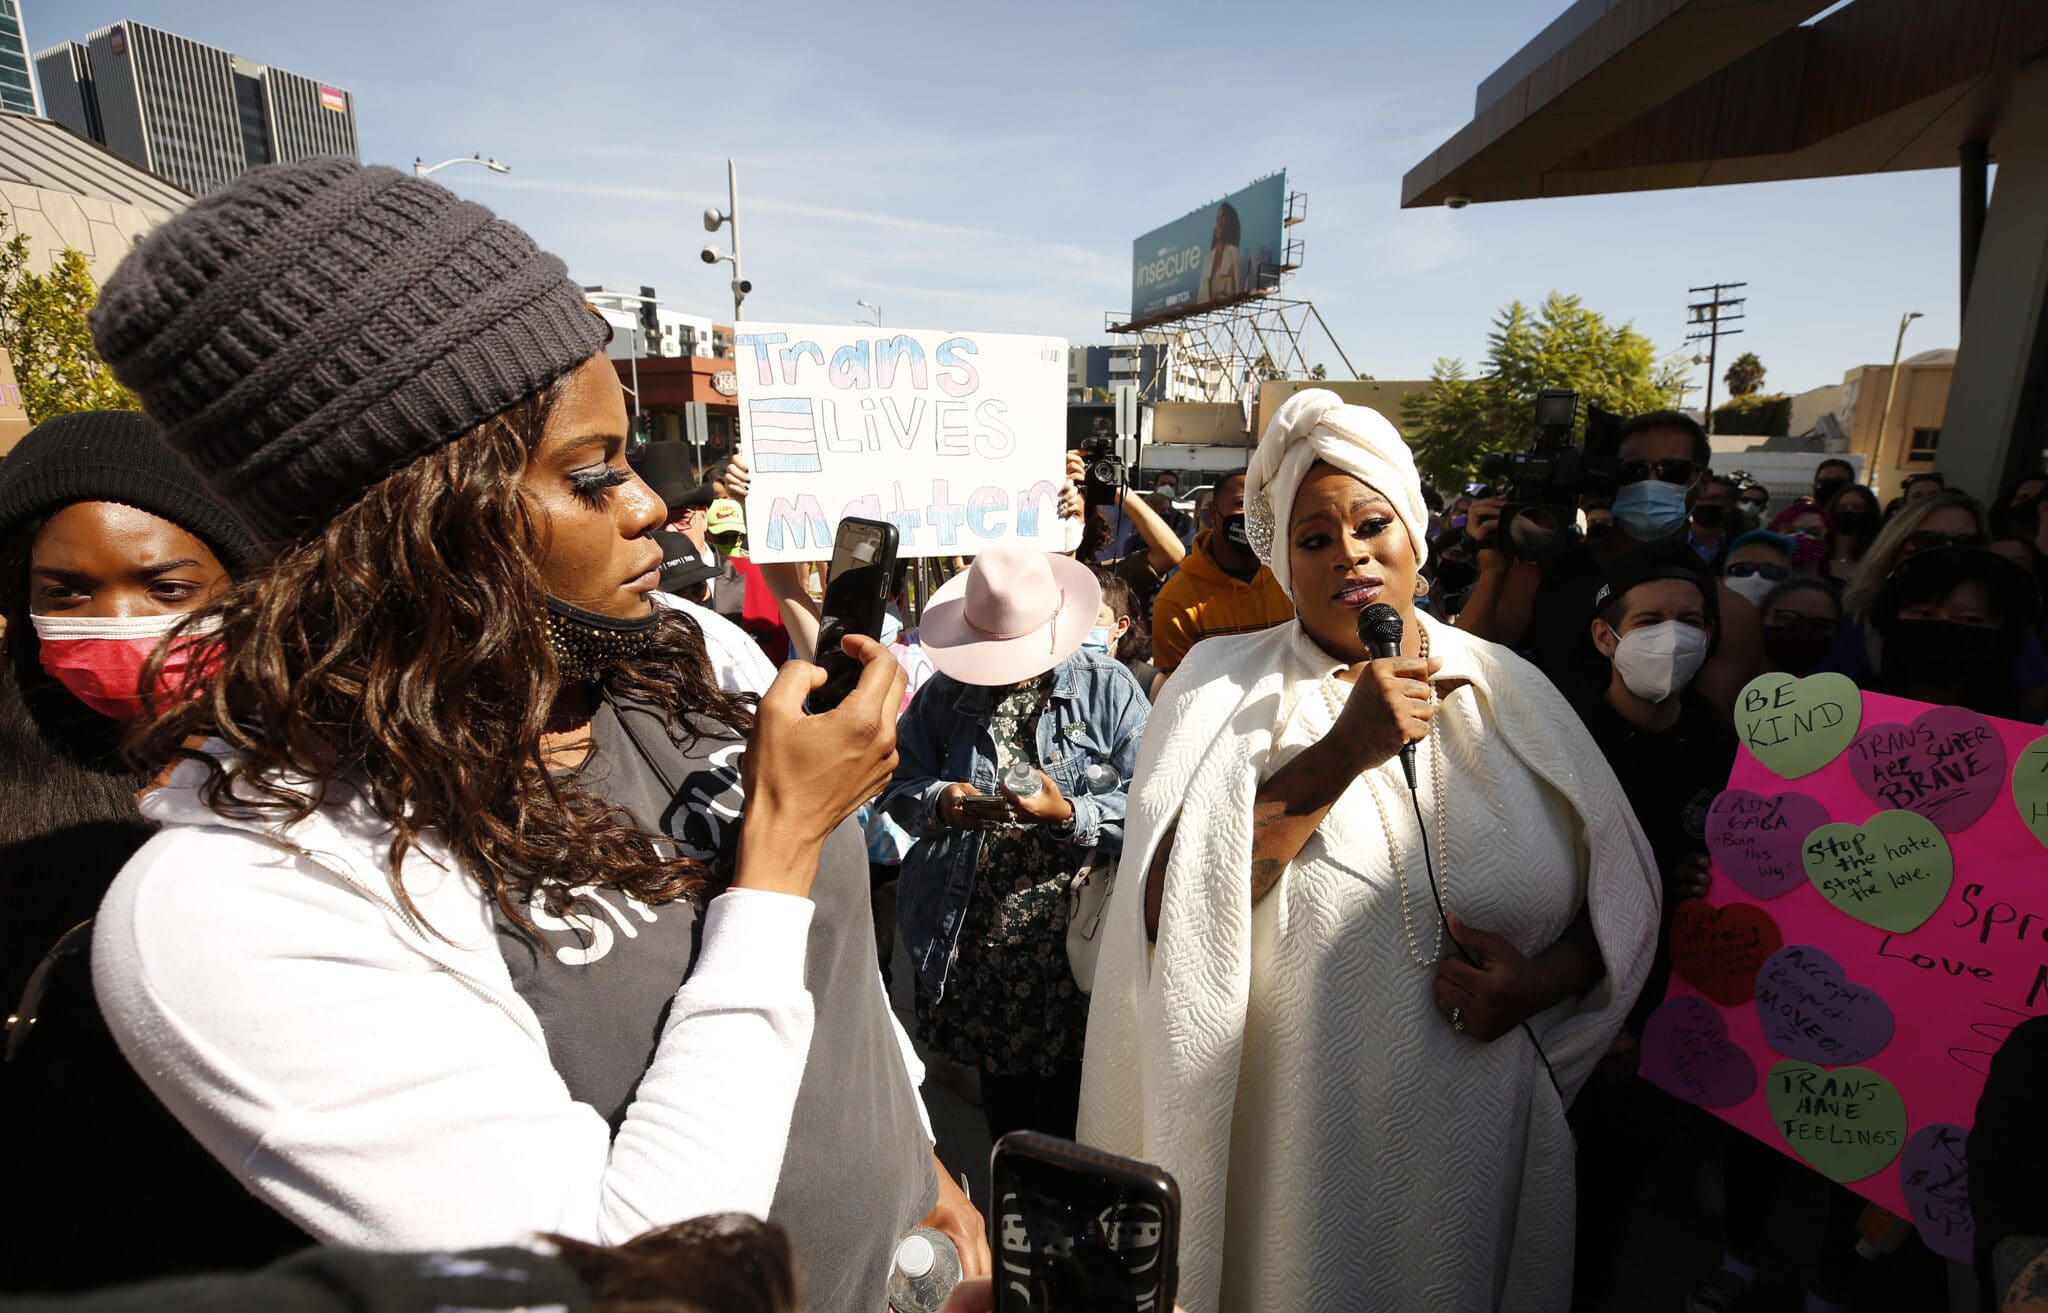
[{"x": 193, "y": 114}]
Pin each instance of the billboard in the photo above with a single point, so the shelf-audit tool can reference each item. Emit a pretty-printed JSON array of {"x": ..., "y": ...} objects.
[{"x": 1219, "y": 253}]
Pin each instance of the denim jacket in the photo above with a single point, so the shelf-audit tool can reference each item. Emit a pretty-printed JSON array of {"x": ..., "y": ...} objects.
[{"x": 1096, "y": 714}]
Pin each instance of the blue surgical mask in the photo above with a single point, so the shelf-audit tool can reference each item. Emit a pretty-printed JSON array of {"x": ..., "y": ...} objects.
[
  {"x": 1097, "y": 641},
  {"x": 1650, "y": 511}
]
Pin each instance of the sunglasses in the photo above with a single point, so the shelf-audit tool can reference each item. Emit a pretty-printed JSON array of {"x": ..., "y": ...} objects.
[
  {"x": 1927, "y": 540},
  {"x": 1819, "y": 624},
  {"x": 1682, "y": 472},
  {"x": 1777, "y": 574}
]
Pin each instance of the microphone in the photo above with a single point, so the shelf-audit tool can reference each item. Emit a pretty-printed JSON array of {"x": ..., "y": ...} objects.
[{"x": 1379, "y": 628}]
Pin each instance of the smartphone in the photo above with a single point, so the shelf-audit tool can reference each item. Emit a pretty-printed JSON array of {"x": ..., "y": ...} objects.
[
  {"x": 1076, "y": 1230},
  {"x": 856, "y": 594},
  {"x": 987, "y": 806}
]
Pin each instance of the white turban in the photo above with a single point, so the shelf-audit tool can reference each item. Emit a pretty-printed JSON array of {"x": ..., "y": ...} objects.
[{"x": 1315, "y": 425}]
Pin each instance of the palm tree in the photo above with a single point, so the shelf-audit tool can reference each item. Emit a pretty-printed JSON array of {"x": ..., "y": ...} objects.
[{"x": 1745, "y": 376}]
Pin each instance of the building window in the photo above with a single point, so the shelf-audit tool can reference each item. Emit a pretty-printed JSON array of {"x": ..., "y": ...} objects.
[{"x": 1922, "y": 448}]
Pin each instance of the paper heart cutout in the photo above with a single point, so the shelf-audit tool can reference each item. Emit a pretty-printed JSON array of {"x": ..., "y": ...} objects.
[
  {"x": 1935, "y": 1176},
  {"x": 1948, "y": 765},
  {"x": 1846, "y": 1123},
  {"x": 1892, "y": 871},
  {"x": 1756, "y": 840},
  {"x": 2030, "y": 787},
  {"x": 1797, "y": 726},
  {"x": 1811, "y": 1009},
  {"x": 1718, "y": 949},
  {"x": 1686, "y": 1053}
]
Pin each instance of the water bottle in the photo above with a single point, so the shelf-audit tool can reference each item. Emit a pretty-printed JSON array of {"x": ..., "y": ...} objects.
[
  {"x": 1022, "y": 781},
  {"x": 927, "y": 1268},
  {"x": 1100, "y": 778}
]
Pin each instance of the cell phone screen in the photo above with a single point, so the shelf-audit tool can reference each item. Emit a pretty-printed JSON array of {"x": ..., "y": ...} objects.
[
  {"x": 1075, "y": 1241},
  {"x": 863, "y": 557}
]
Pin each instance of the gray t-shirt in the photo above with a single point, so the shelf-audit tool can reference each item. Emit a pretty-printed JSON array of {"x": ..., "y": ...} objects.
[{"x": 857, "y": 1173}]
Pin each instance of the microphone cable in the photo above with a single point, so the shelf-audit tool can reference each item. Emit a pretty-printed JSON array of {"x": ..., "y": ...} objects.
[{"x": 1443, "y": 919}]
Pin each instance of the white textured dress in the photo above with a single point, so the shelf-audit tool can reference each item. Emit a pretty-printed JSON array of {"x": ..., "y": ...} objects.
[{"x": 1337, "y": 1145}]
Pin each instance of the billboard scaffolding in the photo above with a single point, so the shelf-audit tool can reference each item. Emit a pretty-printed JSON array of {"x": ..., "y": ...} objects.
[{"x": 1207, "y": 290}]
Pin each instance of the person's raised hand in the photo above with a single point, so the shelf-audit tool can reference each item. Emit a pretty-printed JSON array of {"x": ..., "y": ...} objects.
[
  {"x": 739, "y": 476},
  {"x": 1388, "y": 709},
  {"x": 1077, "y": 468},
  {"x": 1049, "y": 807},
  {"x": 1482, "y": 519},
  {"x": 804, "y": 774},
  {"x": 1489, "y": 996}
]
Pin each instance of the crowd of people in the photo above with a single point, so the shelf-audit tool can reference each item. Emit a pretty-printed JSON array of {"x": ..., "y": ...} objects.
[{"x": 418, "y": 845}]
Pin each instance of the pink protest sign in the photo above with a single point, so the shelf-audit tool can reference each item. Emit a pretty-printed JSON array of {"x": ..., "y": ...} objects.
[{"x": 1910, "y": 950}]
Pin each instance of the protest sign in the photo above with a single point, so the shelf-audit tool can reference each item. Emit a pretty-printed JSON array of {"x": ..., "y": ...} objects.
[
  {"x": 1904, "y": 880},
  {"x": 958, "y": 439}
]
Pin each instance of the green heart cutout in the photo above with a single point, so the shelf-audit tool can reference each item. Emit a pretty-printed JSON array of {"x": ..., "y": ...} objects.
[
  {"x": 1848, "y": 1123},
  {"x": 1797, "y": 726},
  {"x": 1891, "y": 872},
  {"x": 2030, "y": 787}
]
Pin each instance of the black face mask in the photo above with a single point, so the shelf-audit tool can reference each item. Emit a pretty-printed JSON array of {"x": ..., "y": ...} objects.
[
  {"x": 1233, "y": 529},
  {"x": 1939, "y": 653},
  {"x": 1860, "y": 525},
  {"x": 1710, "y": 516},
  {"x": 1795, "y": 649},
  {"x": 586, "y": 643}
]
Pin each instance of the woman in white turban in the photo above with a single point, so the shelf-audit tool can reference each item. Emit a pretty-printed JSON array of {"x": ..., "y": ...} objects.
[{"x": 1366, "y": 1010}]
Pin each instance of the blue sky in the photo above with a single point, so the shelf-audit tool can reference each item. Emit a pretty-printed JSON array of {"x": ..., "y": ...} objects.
[{"x": 987, "y": 166}]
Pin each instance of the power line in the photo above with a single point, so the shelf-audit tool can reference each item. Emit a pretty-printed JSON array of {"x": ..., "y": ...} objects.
[{"x": 1706, "y": 319}]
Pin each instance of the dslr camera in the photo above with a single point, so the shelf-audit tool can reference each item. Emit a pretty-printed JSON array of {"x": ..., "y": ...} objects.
[
  {"x": 1543, "y": 484},
  {"x": 1107, "y": 475}
]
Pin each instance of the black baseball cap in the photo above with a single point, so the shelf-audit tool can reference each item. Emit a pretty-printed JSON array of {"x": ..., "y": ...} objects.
[
  {"x": 666, "y": 467},
  {"x": 1647, "y": 564},
  {"x": 683, "y": 567}
]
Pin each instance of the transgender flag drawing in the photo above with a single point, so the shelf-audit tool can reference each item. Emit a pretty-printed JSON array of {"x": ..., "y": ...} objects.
[{"x": 785, "y": 435}]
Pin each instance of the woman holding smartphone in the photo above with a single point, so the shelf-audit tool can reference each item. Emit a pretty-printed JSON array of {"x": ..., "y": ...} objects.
[
  {"x": 488, "y": 910},
  {"x": 982, "y": 899}
]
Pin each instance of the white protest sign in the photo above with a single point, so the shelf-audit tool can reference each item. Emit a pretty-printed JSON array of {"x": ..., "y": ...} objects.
[{"x": 958, "y": 439}]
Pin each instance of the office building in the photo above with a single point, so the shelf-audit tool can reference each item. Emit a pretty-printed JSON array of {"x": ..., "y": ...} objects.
[
  {"x": 17, "y": 90},
  {"x": 193, "y": 114}
]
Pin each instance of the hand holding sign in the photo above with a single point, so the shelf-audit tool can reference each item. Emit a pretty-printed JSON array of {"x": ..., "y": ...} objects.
[{"x": 1797, "y": 726}]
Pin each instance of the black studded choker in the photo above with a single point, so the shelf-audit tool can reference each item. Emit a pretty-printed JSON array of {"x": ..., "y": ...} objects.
[{"x": 586, "y": 643}]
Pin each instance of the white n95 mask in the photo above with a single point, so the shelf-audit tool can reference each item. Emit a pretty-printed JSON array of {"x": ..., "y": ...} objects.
[{"x": 1658, "y": 662}]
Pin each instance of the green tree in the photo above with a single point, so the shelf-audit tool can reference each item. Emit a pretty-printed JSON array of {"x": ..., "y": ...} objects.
[
  {"x": 1745, "y": 376},
  {"x": 44, "y": 331},
  {"x": 1564, "y": 345}
]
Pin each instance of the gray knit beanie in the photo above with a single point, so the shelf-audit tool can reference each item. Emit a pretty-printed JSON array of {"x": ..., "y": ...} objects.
[{"x": 312, "y": 327}]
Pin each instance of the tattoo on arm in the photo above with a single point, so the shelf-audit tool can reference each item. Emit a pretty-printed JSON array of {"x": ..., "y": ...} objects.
[{"x": 2019, "y": 1272}]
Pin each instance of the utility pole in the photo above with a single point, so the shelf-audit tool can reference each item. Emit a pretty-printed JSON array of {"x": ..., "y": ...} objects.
[
  {"x": 1706, "y": 319},
  {"x": 1891, "y": 388},
  {"x": 729, "y": 218}
]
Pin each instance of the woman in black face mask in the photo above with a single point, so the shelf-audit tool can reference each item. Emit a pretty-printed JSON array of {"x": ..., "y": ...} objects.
[
  {"x": 1855, "y": 513},
  {"x": 1948, "y": 623}
]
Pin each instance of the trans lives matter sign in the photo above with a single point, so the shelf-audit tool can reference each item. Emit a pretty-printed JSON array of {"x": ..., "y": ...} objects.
[{"x": 958, "y": 439}]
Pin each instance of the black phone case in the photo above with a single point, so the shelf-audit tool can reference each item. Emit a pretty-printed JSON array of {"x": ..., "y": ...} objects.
[
  {"x": 842, "y": 672},
  {"x": 1128, "y": 1174}
]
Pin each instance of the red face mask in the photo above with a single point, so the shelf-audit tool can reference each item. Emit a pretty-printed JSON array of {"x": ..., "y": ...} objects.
[{"x": 100, "y": 659}]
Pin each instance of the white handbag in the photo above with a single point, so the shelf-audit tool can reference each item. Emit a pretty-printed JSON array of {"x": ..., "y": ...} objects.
[{"x": 1087, "y": 899}]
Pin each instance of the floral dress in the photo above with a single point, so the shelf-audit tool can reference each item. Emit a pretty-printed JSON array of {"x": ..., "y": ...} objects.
[{"x": 1011, "y": 1007}]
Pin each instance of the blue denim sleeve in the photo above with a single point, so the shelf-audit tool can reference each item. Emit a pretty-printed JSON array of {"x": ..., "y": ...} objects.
[
  {"x": 1099, "y": 817},
  {"x": 912, "y": 798}
]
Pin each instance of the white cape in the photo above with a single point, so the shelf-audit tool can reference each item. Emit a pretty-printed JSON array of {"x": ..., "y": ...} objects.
[{"x": 1404, "y": 1167}]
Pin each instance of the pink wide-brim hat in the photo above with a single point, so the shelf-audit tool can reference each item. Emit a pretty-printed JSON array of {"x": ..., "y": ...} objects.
[{"x": 1011, "y": 616}]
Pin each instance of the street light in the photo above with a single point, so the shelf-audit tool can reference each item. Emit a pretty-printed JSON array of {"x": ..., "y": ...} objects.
[
  {"x": 1891, "y": 388},
  {"x": 714, "y": 219},
  {"x": 421, "y": 169},
  {"x": 869, "y": 305}
]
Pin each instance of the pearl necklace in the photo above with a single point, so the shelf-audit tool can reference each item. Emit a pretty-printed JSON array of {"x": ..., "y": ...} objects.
[{"x": 1335, "y": 703}]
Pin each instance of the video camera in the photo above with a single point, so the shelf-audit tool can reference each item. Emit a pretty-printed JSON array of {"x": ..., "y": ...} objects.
[
  {"x": 1107, "y": 476},
  {"x": 1543, "y": 484}
]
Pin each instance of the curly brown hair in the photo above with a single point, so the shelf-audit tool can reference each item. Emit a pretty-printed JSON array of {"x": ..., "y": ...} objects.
[{"x": 402, "y": 651}]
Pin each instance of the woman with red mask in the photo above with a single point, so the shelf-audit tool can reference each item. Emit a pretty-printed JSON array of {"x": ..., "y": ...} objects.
[{"x": 107, "y": 542}]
